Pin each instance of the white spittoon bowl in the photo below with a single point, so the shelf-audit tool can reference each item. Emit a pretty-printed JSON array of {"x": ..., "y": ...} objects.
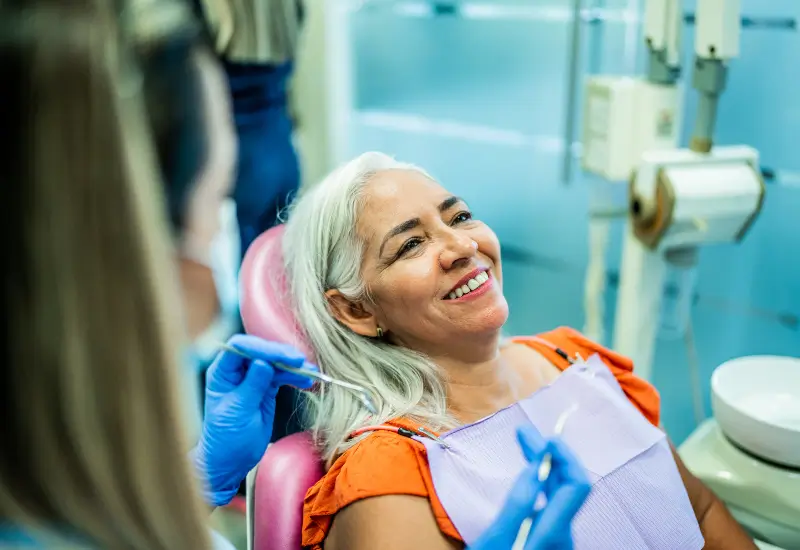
[{"x": 756, "y": 402}]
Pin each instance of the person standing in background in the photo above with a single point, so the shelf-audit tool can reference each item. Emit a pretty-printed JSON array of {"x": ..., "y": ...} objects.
[{"x": 257, "y": 43}]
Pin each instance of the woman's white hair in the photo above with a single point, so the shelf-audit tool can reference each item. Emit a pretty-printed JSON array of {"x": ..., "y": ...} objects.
[{"x": 322, "y": 251}]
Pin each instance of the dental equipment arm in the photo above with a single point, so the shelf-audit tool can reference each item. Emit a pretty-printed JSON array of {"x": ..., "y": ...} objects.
[
  {"x": 662, "y": 31},
  {"x": 624, "y": 118},
  {"x": 717, "y": 37},
  {"x": 720, "y": 530},
  {"x": 239, "y": 412},
  {"x": 716, "y": 43},
  {"x": 682, "y": 199}
]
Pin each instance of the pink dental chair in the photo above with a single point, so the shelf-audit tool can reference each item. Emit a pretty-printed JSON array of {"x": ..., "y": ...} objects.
[{"x": 277, "y": 487}]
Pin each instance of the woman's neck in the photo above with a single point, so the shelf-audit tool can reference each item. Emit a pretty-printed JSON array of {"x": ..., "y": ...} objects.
[{"x": 482, "y": 387}]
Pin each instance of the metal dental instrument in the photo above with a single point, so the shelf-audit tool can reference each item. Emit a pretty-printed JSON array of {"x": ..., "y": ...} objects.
[
  {"x": 358, "y": 391},
  {"x": 544, "y": 472},
  {"x": 547, "y": 460}
]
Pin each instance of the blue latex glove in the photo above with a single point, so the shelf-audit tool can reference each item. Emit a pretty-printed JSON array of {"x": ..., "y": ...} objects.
[
  {"x": 566, "y": 489},
  {"x": 239, "y": 412}
]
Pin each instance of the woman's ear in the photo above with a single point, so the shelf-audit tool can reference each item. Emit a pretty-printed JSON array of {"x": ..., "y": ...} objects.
[{"x": 352, "y": 314}]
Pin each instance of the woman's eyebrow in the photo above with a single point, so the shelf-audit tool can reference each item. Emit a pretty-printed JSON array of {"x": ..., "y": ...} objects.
[
  {"x": 407, "y": 225},
  {"x": 413, "y": 223},
  {"x": 449, "y": 203}
]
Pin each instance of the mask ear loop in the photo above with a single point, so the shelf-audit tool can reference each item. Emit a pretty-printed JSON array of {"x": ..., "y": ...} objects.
[{"x": 190, "y": 250}]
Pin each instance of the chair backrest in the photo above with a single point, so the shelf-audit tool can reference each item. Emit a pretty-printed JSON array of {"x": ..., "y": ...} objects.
[
  {"x": 264, "y": 293},
  {"x": 290, "y": 466}
]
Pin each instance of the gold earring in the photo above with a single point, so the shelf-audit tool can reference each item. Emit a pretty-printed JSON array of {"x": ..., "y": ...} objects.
[{"x": 380, "y": 332}]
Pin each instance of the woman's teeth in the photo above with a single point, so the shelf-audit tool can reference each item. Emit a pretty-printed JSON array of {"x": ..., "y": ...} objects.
[{"x": 470, "y": 285}]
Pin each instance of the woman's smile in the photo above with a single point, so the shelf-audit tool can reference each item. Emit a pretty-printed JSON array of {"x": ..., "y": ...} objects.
[{"x": 471, "y": 286}]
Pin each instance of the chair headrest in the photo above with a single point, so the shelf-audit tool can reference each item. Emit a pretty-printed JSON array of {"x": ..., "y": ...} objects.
[{"x": 264, "y": 293}]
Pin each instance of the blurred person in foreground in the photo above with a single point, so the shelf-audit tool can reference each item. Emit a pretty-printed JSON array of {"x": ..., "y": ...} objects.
[
  {"x": 93, "y": 453},
  {"x": 94, "y": 450}
]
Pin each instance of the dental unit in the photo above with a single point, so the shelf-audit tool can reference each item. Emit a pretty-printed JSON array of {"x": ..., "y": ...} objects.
[{"x": 681, "y": 199}]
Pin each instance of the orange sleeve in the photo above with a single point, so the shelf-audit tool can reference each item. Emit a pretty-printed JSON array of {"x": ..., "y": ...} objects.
[
  {"x": 642, "y": 394},
  {"x": 383, "y": 464}
]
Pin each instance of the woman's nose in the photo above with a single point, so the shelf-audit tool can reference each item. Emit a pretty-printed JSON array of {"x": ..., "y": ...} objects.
[{"x": 459, "y": 249}]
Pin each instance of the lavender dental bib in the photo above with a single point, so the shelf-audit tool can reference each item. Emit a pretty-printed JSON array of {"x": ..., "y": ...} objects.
[{"x": 638, "y": 500}]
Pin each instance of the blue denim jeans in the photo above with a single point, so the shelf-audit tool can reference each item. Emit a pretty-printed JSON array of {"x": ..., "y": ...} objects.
[{"x": 268, "y": 170}]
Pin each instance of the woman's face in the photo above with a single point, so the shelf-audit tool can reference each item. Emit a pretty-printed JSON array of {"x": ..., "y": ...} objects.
[
  {"x": 432, "y": 270},
  {"x": 209, "y": 191}
]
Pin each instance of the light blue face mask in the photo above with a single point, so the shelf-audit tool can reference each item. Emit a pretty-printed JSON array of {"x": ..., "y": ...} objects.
[{"x": 223, "y": 259}]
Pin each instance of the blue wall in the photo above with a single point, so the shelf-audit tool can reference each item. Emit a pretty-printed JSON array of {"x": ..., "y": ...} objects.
[{"x": 481, "y": 103}]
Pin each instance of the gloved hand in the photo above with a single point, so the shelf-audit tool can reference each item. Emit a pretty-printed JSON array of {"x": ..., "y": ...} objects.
[
  {"x": 239, "y": 412},
  {"x": 566, "y": 489}
]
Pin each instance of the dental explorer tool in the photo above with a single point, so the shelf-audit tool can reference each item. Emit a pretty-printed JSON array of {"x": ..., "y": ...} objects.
[{"x": 358, "y": 391}]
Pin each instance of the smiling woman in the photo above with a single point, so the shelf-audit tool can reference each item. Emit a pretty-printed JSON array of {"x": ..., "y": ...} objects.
[
  {"x": 399, "y": 289},
  {"x": 411, "y": 268}
]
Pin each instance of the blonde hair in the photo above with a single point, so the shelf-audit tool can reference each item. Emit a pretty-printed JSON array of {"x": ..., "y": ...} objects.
[
  {"x": 92, "y": 438},
  {"x": 322, "y": 251}
]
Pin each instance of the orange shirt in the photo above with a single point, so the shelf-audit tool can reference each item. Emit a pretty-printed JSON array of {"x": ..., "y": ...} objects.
[{"x": 388, "y": 464}]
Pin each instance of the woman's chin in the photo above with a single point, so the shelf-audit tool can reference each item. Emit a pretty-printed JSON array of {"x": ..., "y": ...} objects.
[
  {"x": 487, "y": 322},
  {"x": 498, "y": 319}
]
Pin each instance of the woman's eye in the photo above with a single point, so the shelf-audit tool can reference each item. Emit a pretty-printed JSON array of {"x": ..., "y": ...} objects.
[
  {"x": 462, "y": 217},
  {"x": 409, "y": 245}
]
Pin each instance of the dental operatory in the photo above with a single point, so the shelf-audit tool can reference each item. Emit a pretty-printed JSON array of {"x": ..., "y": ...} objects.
[{"x": 400, "y": 274}]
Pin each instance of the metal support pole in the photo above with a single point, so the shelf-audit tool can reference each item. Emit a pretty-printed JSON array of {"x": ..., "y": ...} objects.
[{"x": 573, "y": 76}]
